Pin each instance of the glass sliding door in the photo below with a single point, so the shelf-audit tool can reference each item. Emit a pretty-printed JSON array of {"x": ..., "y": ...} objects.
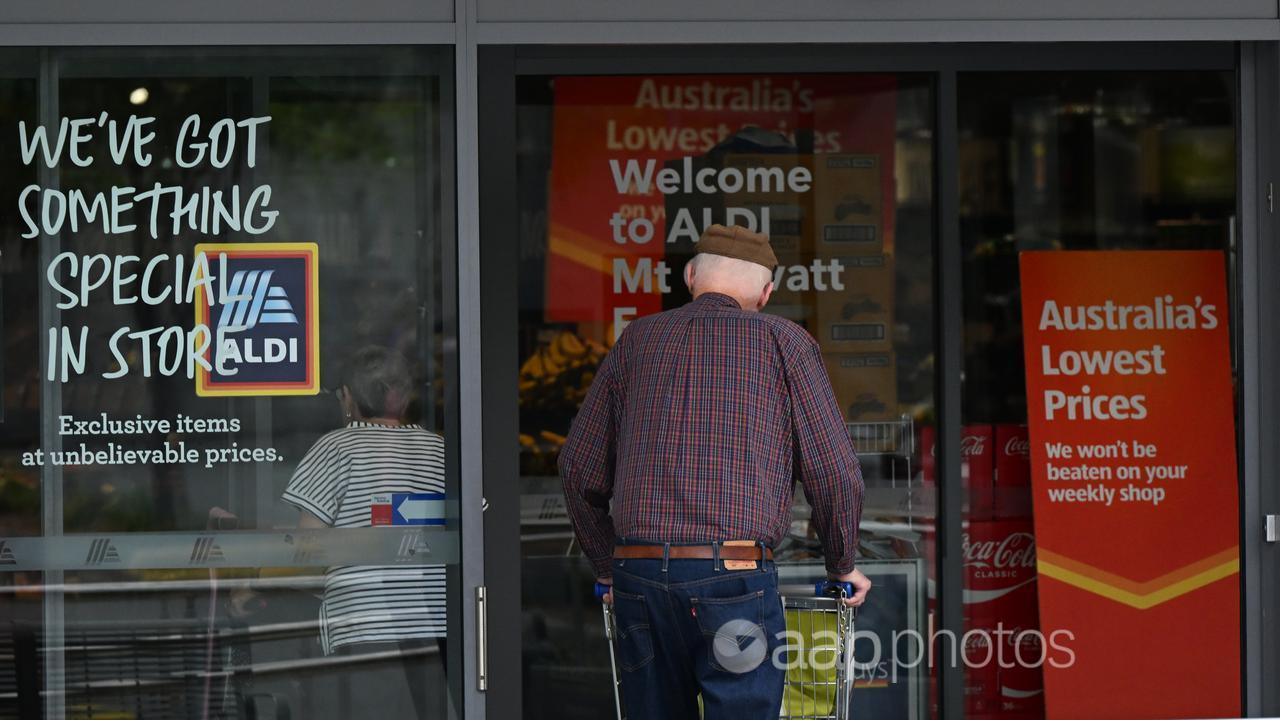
[
  {"x": 838, "y": 170},
  {"x": 933, "y": 172},
  {"x": 1069, "y": 162}
]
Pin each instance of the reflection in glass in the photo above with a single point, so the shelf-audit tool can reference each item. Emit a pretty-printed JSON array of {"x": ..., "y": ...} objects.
[{"x": 351, "y": 478}]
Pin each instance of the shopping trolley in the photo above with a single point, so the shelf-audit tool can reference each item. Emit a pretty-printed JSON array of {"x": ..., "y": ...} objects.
[{"x": 819, "y": 653}]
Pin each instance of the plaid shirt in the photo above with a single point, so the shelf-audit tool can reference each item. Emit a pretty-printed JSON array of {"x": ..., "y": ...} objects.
[{"x": 698, "y": 424}]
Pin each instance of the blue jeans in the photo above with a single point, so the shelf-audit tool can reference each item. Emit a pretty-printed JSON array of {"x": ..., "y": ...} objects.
[{"x": 690, "y": 626}]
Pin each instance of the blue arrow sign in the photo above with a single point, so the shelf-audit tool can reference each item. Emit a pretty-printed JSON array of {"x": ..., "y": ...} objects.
[{"x": 417, "y": 509}]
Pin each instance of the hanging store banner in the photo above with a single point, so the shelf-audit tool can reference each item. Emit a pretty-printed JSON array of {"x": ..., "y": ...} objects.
[
  {"x": 1129, "y": 393},
  {"x": 642, "y": 164}
]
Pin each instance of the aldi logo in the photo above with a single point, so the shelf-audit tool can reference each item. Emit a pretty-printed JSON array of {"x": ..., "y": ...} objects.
[
  {"x": 266, "y": 325},
  {"x": 410, "y": 546},
  {"x": 101, "y": 551},
  {"x": 205, "y": 550},
  {"x": 309, "y": 551}
]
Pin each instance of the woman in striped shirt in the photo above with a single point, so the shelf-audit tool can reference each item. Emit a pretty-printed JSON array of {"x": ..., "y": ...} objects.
[{"x": 398, "y": 610}]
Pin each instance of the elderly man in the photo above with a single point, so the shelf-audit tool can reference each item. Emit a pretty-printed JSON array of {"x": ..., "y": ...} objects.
[{"x": 696, "y": 427}]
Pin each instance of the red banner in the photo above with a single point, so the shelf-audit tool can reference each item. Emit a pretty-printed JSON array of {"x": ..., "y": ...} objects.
[
  {"x": 614, "y": 214},
  {"x": 1129, "y": 396}
]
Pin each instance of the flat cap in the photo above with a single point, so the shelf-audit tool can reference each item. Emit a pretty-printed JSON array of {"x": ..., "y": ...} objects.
[{"x": 737, "y": 242}]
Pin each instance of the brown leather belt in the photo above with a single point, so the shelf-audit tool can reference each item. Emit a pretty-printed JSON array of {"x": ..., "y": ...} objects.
[{"x": 690, "y": 552}]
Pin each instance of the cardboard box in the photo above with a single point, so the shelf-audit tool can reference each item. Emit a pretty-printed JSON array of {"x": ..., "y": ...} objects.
[
  {"x": 1000, "y": 603},
  {"x": 860, "y": 316},
  {"x": 1000, "y": 571},
  {"x": 848, "y": 206},
  {"x": 789, "y": 214},
  {"x": 865, "y": 385},
  {"x": 787, "y": 218},
  {"x": 795, "y": 278}
]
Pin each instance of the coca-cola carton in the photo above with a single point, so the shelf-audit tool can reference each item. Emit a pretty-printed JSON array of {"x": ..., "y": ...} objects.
[
  {"x": 1004, "y": 674},
  {"x": 1012, "y": 480},
  {"x": 1001, "y": 643},
  {"x": 976, "y": 465}
]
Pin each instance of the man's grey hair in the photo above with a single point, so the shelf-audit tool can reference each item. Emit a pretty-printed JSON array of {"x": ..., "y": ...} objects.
[{"x": 727, "y": 273}]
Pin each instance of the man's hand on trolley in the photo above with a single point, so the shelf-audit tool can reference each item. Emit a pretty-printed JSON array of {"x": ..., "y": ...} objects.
[
  {"x": 861, "y": 585},
  {"x": 606, "y": 598}
]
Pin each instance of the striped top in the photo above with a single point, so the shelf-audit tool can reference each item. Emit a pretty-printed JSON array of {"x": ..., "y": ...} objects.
[{"x": 336, "y": 481}]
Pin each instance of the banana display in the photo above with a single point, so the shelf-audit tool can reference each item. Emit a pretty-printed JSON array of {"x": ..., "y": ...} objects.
[{"x": 554, "y": 380}]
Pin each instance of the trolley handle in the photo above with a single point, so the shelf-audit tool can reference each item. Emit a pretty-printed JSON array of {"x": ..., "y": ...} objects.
[
  {"x": 833, "y": 589},
  {"x": 602, "y": 589}
]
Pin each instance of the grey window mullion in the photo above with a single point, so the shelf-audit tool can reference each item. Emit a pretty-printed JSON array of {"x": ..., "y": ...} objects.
[
  {"x": 471, "y": 439},
  {"x": 949, "y": 312},
  {"x": 1259, "y": 106},
  {"x": 500, "y": 232},
  {"x": 51, "y": 521}
]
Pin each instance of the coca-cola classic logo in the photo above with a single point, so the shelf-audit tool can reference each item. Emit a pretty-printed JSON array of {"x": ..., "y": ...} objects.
[
  {"x": 1015, "y": 551},
  {"x": 1018, "y": 446},
  {"x": 970, "y": 446}
]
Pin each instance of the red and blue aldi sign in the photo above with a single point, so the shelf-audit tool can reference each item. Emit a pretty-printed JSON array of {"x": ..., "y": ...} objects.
[{"x": 264, "y": 320}]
